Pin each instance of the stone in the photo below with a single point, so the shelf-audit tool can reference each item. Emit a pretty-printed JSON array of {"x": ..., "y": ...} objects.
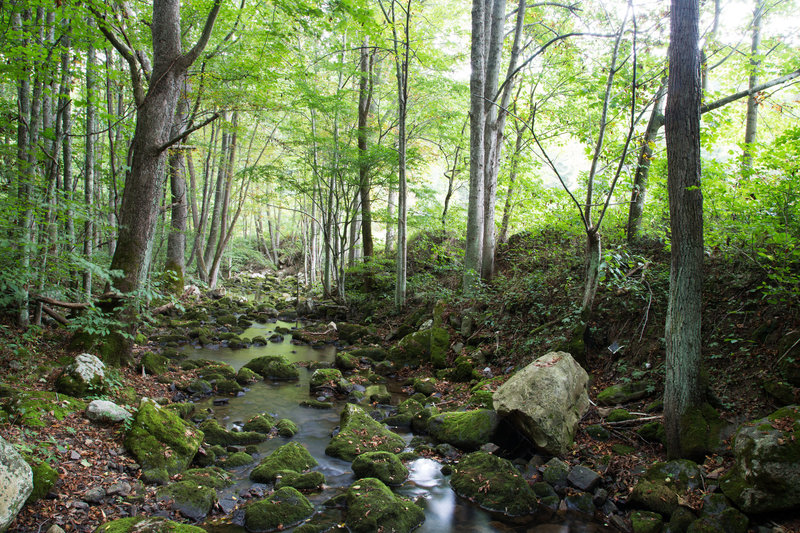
[
  {"x": 16, "y": 483},
  {"x": 86, "y": 374},
  {"x": 419, "y": 347},
  {"x": 286, "y": 428},
  {"x": 44, "y": 479},
  {"x": 104, "y": 411},
  {"x": 371, "y": 506},
  {"x": 545, "y": 401},
  {"x": 493, "y": 483},
  {"x": 212, "y": 476},
  {"x": 701, "y": 432},
  {"x": 352, "y": 333},
  {"x": 121, "y": 488},
  {"x": 583, "y": 478},
  {"x": 378, "y": 394},
  {"x": 646, "y": 522},
  {"x": 468, "y": 430},
  {"x": 622, "y": 393},
  {"x": 273, "y": 367},
  {"x": 161, "y": 442},
  {"x": 291, "y": 456},
  {"x": 55, "y": 528},
  {"x": 345, "y": 361},
  {"x": 284, "y": 508},
  {"x": 580, "y": 502},
  {"x": 262, "y": 423},
  {"x": 94, "y": 495},
  {"x": 406, "y": 412},
  {"x": 680, "y": 520},
  {"x": 360, "y": 433},
  {"x": 652, "y": 432},
  {"x": 680, "y": 475},
  {"x": 237, "y": 459},
  {"x": 146, "y": 524},
  {"x": 213, "y": 433},
  {"x": 300, "y": 481},
  {"x": 190, "y": 499},
  {"x": 326, "y": 378},
  {"x": 153, "y": 364},
  {"x": 555, "y": 472},
  {"x": 655, "y": 497},
  {"x": 384, "y": 466},
  {"x": 766, "y": 472}
]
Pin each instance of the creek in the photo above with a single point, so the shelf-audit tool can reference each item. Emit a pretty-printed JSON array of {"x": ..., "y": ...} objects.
[{"x": 444, "y": 510}]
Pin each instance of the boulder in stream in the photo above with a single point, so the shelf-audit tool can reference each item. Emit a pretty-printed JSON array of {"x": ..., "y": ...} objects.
[
  {"x": 493, "y": 483},
  {"x": 360, "y": 433},
  {"x": 284, "y": 508},
  {"x": 216, "y": 434},
  {"x": 273, "y": 367},
  {"x": 372, "y": 506},
  {"x": 385, "y": 466},
  {"x": 146, "y": 524},
  {"x": 468, "y": 430},
  {"x": 545, "y": 401},
  {"x": 291, "y": 456},
  {"x": 190, "y": 499}
]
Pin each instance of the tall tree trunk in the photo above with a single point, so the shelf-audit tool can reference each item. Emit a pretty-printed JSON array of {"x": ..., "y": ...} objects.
[
  {"x": 364, "y": 105},
  {"x": 640, "y": 178},
  {"x": 391, "y": 205},
  {"x": 89, "y": 165},
  {"x": 213, "y": 271},
  {"x": 175, "y": 265},
  {"x": 474, "y": 245},
  {"x": 65, "y": 107},
  {"x": 683, "y": 392},
  {"x": 219, "y": 195},
  {"x": 751, "y": 121},
  {"x": 512, "y": 178}
]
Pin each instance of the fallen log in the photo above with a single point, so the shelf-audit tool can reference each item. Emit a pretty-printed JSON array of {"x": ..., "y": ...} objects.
[
  {"x": 58, "y": 303},
  {"x": 55, "y": 315}
]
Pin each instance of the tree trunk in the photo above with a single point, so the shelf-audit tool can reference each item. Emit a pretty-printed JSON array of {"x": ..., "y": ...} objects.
[
  {"x": 219, "y": 195},
  {"x": 512, "y": 178},
  {"x": 175, "y": 266},
  {"x": 683, "y": 392},
  {"x": 592, "y": 276},
  {"x": 391, "y": 204},
  {"x": 751, "y": 120},
  {"x": 89, "y": 165},
  {"x": 474, "y": 244},
  {"x": 224, "y": 231},
  {"x": 364, "y": 104},
  {"x": 639, "y": 192}
]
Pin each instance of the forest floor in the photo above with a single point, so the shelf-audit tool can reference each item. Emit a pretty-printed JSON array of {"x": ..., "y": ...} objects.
[{"x": 526, "y": 312}]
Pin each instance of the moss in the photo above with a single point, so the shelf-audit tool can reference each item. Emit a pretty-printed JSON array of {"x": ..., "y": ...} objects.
[
  {"x": 680, "y": 475},
  {"x": 316, "y": 404},
  {"x": 440, "y": 342},
  {"x": 426, "y": 386},
  {"x": 652, "y": 432},
  {"x": 493, "y": 483},
  {"x": 212, "y": 476},
  {"x": 285, "y": 508},
  {"x": 372, "y": 352},
  {"x": 345, "y": 361},
  {"x": 286, "y": 428},
  {"x": 385, "y": 466},
  {"x": 371, "y": 506},
  {"x": 245, "y": 375},
  {"x": 360, "y": 433},
  {"x": 262, "y": 423},
  {"x": 413, "y": 349},
  {"x": 680, "y": 520},
  {"x": 646, "y": 522},
  {"x": 291, "y": 456},
  {"x": 619, "y": 415},
  {"x": 162, "y": 443},
  {"x": 273, "y": 367},
  {"x": 555, "y": 472},
  {"x": 467, "y": 430},
  {"x": 199, "y": 386},
  {"x": 598, "y": 432},
  {"x": 481, "y": 399},
  {"x": 300, "y": 481},
  {"x": 405, "y": 413},
  {"x": 378, "y": 394},
  {"x": 30, "y": 408},
  {"x": 215, "y": 370},
  {"x": 700, "y": 429},
  {"x": 463, "y": 371},
  {"x": 184, "y": 409},
  {"x": 622, "y": 393},
  {"x": 237, "y": 459},
  {"x": 654, "y": 497},
  {"x": 622, "y": 449},
  {"x": 191, "y": 500},
  {"x": 325, "y": 377},
  {"x": 153, "y": 364},
  {"x": 146, "y": 524},
  {"x": 352, "y": 333},
  {"x": 216, "y": 434},
  {"x": 44, "y": 478}
]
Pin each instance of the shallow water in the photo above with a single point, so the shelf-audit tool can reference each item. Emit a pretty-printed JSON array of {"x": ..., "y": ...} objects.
[{"x": 444, "y": 511}]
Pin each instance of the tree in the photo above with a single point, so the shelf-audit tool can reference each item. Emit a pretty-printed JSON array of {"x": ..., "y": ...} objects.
[
  {"x": 683, "y": 391},
  {"x": 154, "y": 114}
]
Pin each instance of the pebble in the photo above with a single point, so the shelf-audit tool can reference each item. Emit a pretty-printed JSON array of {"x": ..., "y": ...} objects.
[
  {"x": 94, "y": 495},
  {"x": 79, "y": 505},
  {"x": 55, "y": 528},
  {"x": 74, "y": 455},
  {"x": 123, "y": 488}
]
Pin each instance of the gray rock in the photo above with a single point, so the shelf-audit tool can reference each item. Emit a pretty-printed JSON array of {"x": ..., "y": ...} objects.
[
  {"x": 545, "y": 401},
  {"x": 55, "y": 528},
  {"x": 583, "y": 478},
  {"x": 555, "y": 471},
  {"x": 123, "y": 488},
  {"x": 16, "y": 483},
  {"x": 104, "y": 411},
  {"x": 94, "y": 495},
  {"x": 84, "y": 375}
]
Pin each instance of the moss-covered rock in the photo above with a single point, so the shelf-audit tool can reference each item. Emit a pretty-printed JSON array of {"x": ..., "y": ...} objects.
[
  {"x": 371, "y": 506},
  {"x": 286, "y": 428},
  {"x": 212, "y": 476},
  {"x": 33, "y": 408},
  {"x": 345, "y": 361},
  {"x": 83, "y": 376},
  {"x": 216, "y": 434},
  {"x": 325, "y": 377},
  {"x": 646, "y": 522},
  {"x": 622, "y": 393},
  {"x": 378, "y": 394},
  {"x": 146, "y": 524},
  {"x": 284, "y": 508},
  {"x": 273, "y": 367},
  {"x": 299, "y": 480},
  {"x": 680, "y": 475},
  {"x": 291, "y": 456},
  {"x": 653, "y": 432},
  {"x": 701, "y": 429},
  {"x": 680, "y": 520},
  {"x": 426, "y": 386},
  {"x": 766, "y": 473},
  {"x": 316, "y": 404},
  {"x": 413, "y": 350},
  {"x": 555, "y": 472},
  {"x": 360, "y": 433},
  {"x": 191, "y": 500},
  {"x": 153, "y": 363},
  {"x": 200, "y": 387},
  {"x": 374, "y": 353},
  {"x": 262, "y": 423},
  {"x": 619, "y": 415},
  {"x": 598, "y": 432},
  {"x": 228, "y": 386},
  {"x": 184, "y": 409},
  {"x": 654, "y": 497},
  {"x": 44, "y": 478},
  {"x": 440, "y": 342},
  {"x": 352, "y": 333},
  {"x": 493, "y": 483},
  {"x": 245, "y": 376},
  {"x": 468, "y": 430},
  {"x": 406, "y": 412},
  {"x": 238, "y": 459},
  {"x": 162, "y": 443},
  {"x": 385, "y": 466},
  {"x": 463, "y": 371}
]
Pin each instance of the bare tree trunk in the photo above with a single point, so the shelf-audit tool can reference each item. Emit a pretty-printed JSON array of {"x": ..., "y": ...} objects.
[
  {"x": 512, "y": 178},
  {"x": 65, "y": 107},
  {"x": 391, "y": 204},
  {"x": 224, "y": 231},
  {"x": 89, "y": 164},
  {"x": 219, "y": 194},
  {"x": 683, "y": 391},
  {"x": 175, "y": 265},
  {"x": 364, "y": 104},
  {"x": 751, "y": 121}
]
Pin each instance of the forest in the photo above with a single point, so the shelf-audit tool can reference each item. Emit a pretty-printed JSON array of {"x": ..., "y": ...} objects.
[{"x": 395, "y": 265}]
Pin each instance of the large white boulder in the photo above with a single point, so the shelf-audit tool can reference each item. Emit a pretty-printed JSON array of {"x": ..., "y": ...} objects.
[
  {"x": 104, "y": 411},
  {"x": 84, "y": 375},
  {"x": 545, "y": 401},
  {"x": 16, "y": 483}
]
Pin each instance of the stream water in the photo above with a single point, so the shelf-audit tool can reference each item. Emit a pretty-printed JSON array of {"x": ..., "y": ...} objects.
[{"x": 444, "y": 511}]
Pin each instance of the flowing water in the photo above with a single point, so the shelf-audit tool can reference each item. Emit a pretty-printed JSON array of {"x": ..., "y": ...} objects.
[{"x": 444, "y": 511}]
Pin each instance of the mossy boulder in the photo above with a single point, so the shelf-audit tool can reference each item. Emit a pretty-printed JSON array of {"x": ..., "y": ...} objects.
[
  {"x": 385, "y": 466},
  {"x": 284, "y": 508},
  {"x": 200, "y": 387},
  {"x": 781, "y": 391},
  {"x": 440, "y": 342},
  {"x": 262, "y": 423},
  {"x": 653, "y": 432},
  {"x": 286, "y": 428},
  {"x": 374, "y": 353},
  {"x": 360, "y": 433},
  {"x": 228, "y": 386},
  {"x": 345, "y": 361},
  {"x": 153, "y": 363},
  {"x": 85, "y": 375},
  {"x": 766, "y": 472},
  {"x": 161, "y": 441},
  {"x": 291, "y": 456},
  {"x": 238, "y": 459},
  {"x": 619, "y": 415},
  {"x": 44, "y": 478},
  {"x": 463, "y": 371},
  {"x": 352, "y": 333},
  {"x": 717, "y": 509},
  {"x": 421, "y": 347},
  {"x": 468, "y": 430},
  {"x": 406, "y": 412},
  {"x": 146, "y": 524},
  {"x": 426, "y": 386},
  {"x": 216, "y": 434},
  {"x": 212, "y": 476},
  {"x": 33, "y": 408},
  {"x": 701, "y": 429},
  {"x": 245, "y": 376},
  {"x": 378, "y": 394},
  {"x": 680, "y": 475},
  {"x": 299, "y": 480},
  {"x": 372, "y": 506},
  {"x": 325, "y": 378},
  {"x": 646, "y": 522},
  {"x": 654, "y": 497},
  {"x": 273, "y": 367},
  {"x": 622, "y": 393},
  {"x": 493, "y": 483},
  {"x": 555, "y": 472},
  {"x": 191, "y": 500}
]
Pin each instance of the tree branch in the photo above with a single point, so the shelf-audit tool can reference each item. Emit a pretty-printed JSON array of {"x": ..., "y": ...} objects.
[
  {"x": 189, "y": 57},
  {"x": 187, "y": 132},
  {"x": 747, "y": 92}
]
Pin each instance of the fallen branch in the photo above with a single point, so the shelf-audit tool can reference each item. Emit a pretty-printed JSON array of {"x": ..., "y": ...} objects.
[
  {"x": 633, "y": 421},
  {"x": 58, "y": 303},
  {"x": 163, "y": 308},
  {"x": 58, "y": 317}
]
